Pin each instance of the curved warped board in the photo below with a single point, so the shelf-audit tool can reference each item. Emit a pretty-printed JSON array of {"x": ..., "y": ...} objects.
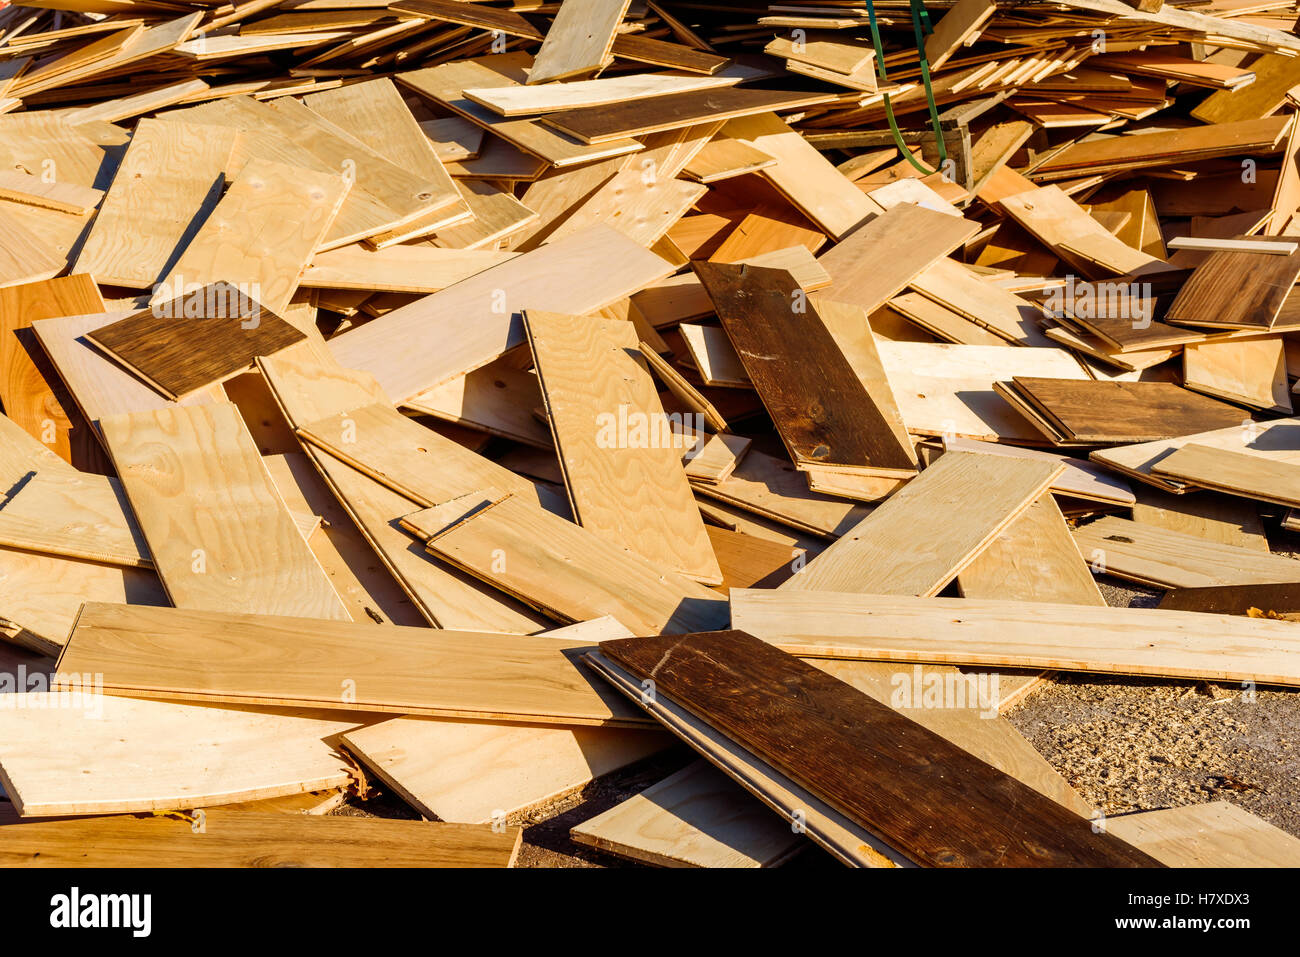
[
  {"x": 301, "y": 662},
  {"x": 54, "y": 761},
  {"x": 241, "y": 838},
  {"x": 219, "y": 532}
]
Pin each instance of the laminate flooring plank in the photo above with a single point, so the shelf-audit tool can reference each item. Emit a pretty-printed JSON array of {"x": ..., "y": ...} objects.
[
  {"x": 167, "y": 184},
  {"x": 219, "y": 532},
  {"x": 629, "y": 489},
  {"x": 783, "y": 341},
  {"x": 1233, "y": 473},
  {"x": 977, "y": 495},
  {"x": 997, "y": 633},
  {"x": 1250, "y": 372},
  {"x": 302, "y": 662},
  {"x": 743, "y": 688},
  {"x": 578, "y": 41},
  {"x": 1236, "y": 290},
  {"x": 561, "y": 568},
  {"x": 55, "y": 762}
]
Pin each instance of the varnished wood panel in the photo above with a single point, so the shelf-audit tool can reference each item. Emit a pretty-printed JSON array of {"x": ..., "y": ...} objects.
[
  {"x": 934, "y": 802},
  {"x": 823, "y": 411}
]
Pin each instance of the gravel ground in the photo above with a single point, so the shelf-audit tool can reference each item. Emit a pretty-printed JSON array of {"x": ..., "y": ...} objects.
[{"x": 1125, "y": 744}]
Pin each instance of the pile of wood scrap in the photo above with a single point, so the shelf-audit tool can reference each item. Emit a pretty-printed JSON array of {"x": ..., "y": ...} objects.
[{"x": 467, "y": 400}]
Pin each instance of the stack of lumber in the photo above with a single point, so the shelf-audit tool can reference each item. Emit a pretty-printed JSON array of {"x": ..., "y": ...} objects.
[{"x": 460, "y": 400}]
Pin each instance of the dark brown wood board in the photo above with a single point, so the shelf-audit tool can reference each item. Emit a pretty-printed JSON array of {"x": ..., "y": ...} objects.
[
  {"x": 599, "y": 124},
  {"x": 197, "y": 339},
  {"x": 922, "y": 795},
  {"x": 824, "y": 413},
  {"x": 1236, "y": 290},
  {"x": 1090, "y": 411},
  {"x": 1281, "y": 599},
  {"x": 640, "y": 49}
]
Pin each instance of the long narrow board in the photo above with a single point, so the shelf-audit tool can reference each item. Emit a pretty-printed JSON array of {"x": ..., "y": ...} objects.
[
  {"x": 1233, "y": 473},
  {"x": 694, "y": 818},
  {"x": 167, "y": 184},
  {"x": 1280, "y": 600},
  {"x": 300, "y": 662},
  {"x": 879, "y": 260},
  {"x": 282, "y": 213},
  {"x": 472, "y": 771},
  {"x": 564, "y": 570},
  {"x": 1218, "y": 834},
  {"x": 578, "y": 42},
  {"x": 1081, "y": 479},
  {"x": 219, "y": 532},
  {"x": 55, "y": 761},
  {"x": 595, "y": 125},
  {"x": 832, "y": 419},
  {"x": 628, "y": 488},
  {"x": 939, "y": 807},
  {"x": 468, "y": 325},
  {"x": 977, "y": 495},
  {"x": 997, "y": 633},
  {"x": 166, "y": 346},
  {"x": 1167, "y": 559},
  {"x": 531, "y": 100},
  {"x": 411, "y": 269},
  {"x": 33, "y": 394},
  {"x": 240, "y": 838}
]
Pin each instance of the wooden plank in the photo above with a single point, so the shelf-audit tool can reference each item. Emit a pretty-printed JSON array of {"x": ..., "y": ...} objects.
[
  {"x": 446, "y": 84},
  {"x": 560, "y": 568},
  {"x": 594, "y": 125},
  {"x": 1220, "y": 518},
  {"x": 578, "y": 41},
  {"x": 905, "y": 240},
  {"x": 240, "y": 838},
  {"x": 726, "y": 158},
  {"x": 24, "y": 256},
  {"x": 849, "y": 843},
  {"x": 283, "y": 213},
  {"x": 1260, "y": 284},
  {"x": 947, "y": 390},
  {"x": 219, "y": 532},
  {"x": 1278, "y": 600},
  {"x": 804, "y": 176},
  {"x": 1081, "y": 479},
  {"x": 166, "y": 346},
  {"x": 694, "y": 818},
  {"x": 781, "y": 339},
  {"x": 168, "y": 183},
  {"x": 675, "y": 56},
  {"x": 532, "y": 100},
  {"x": 41, "y": 595},
  {"x": 477, "y": 320},
  {"x": 1003, "y": 313},
  {"x": 1218, "y": 834},
  {"x": 1095, "y": 412},
  {"x": 411, "y": 269},
  {"x": 624, "y": 477},
  {"x": 304, "y": 662},
  {"x": 824, "y": 50},
  {"x": 1033, "y": 559},
  {"x": 714, "y": 356},
  {"x": 744, "y": 703},
  {"x": 997, "y": 633},
  {"x": 19, "y": 187},
  {"x": 1168, "y": 559},
  {"x": 639, "y": 202},
  {"x": 1233, "y": 473},
  {"x": 34, "y": 396},
  {"x": 498, "y": 399},
  {"x": 1274, "y": 75},
  {"x": 471, "y": 15},
  {"x": 959, "y": 27},
  {"x": 55, "y": 762},
  {"x": 50, "y": 507},
  {"x": 475, "y": 772},
  {"x": 979, "y": 495}
]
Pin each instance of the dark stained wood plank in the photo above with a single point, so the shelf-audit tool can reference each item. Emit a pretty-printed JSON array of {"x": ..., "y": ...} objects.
[
  {"x": 820, "y": 406},
  {"x": 471, "y": 15},
  {"x": 1236, "y": 290},
  {"x": 919, "y": 793},
  {"x": 1282, "y": 599},
  {"x": 1090, "y": 411},
  {"x": 660, "y": 53},
  {"x": 599, "y": 124},
  {"x": 196, "y": 339}
]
